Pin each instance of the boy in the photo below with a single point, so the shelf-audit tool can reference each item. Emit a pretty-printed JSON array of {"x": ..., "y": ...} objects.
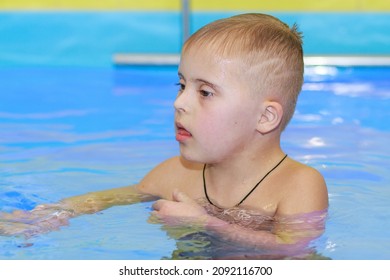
[{"x": 239, "y": 79}]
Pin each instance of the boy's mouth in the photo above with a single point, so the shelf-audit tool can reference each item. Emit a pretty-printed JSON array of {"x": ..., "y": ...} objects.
[{"x": 181, "y": 133}]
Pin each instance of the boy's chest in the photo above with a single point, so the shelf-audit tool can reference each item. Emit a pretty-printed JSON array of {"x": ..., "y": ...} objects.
[{"x": 265, "y": 198}]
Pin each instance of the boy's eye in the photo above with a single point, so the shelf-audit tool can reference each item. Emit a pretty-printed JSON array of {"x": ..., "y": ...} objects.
[
  {"x": 181, "y": 86},
  {"x": 205, "y": 93}
]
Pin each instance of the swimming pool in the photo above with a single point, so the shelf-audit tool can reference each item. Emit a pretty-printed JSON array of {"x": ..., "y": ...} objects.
[
  {"x": 72, "y": 129},
  {"x": 91, "y": 129}
]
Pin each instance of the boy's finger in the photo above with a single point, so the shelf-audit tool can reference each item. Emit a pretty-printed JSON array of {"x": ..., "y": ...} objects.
[{"x": 158, "y": 204}]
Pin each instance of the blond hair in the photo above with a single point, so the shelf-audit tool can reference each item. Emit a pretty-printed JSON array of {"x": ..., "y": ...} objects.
[{"x": 270, "y": 50}]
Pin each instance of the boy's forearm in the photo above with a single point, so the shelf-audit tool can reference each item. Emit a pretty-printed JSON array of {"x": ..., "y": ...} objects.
[
  {"x": 48, "y": 217},
  {"x": 247, "y": 237},
  {"x": 96, "y": 201}
]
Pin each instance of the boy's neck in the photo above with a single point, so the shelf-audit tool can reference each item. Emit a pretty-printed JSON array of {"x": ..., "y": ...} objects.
[{"x": 228, "y": 178}]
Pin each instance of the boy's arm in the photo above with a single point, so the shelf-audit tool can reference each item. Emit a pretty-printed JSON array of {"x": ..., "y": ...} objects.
[
  {"x": 96, "y": 201},
  {"x": 292, "y": 234},
  {"x": 49, "y": 217},
  {"x": 288, "y": 241},
  {"x": 149, "y": 188}
]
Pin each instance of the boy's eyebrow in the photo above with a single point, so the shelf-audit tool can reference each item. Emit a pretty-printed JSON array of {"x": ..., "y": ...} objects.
[
  {"x": 213, "y": 86},
  {"x": 180, "y": 75}
]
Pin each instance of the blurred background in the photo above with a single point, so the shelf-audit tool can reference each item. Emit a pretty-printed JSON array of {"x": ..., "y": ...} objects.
[{"x": 89, "y": 33}]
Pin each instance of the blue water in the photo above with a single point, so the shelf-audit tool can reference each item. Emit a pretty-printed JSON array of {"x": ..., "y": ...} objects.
[
  {"x": 69, "y": 131},
  {"x": 70, "y": 123}
]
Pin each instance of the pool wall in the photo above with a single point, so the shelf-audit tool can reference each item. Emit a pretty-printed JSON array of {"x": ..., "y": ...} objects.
[{"x": 89, "y": 33}]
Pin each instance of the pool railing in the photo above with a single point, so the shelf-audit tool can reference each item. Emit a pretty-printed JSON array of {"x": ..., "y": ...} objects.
[{"x": 123, "y": 59}]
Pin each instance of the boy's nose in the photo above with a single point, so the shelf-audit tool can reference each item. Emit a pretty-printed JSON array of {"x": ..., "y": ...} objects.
[{"x": 180, "y": 103}]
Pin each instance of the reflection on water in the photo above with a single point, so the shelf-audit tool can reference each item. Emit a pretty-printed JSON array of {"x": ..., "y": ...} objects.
[
  {"x": 205, "y": 246},
  {"x": 67, "y": 132}
]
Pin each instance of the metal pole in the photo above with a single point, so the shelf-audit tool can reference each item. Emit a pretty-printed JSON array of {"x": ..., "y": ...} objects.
[{"x": 185, "y": 13}]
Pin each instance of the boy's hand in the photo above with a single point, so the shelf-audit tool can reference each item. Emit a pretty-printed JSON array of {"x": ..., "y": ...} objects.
[
  {"x": 182, "y": 209},
  {"x": 42, "y": 219}
]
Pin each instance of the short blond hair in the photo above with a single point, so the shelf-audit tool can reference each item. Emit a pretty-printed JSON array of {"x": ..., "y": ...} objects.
[{"x": 270, "y": 50}]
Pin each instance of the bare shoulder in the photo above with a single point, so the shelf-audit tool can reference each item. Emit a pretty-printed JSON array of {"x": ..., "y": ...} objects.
[
  {"x": 173, "y": 173},
  {"x": 305, "y": 192}
]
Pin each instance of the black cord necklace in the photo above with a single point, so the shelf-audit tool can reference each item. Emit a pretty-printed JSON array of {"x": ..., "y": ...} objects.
[{"x": 249, "y": 193}]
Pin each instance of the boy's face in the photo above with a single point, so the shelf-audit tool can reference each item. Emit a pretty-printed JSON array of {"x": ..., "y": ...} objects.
[{"x": 215, "y": 111}]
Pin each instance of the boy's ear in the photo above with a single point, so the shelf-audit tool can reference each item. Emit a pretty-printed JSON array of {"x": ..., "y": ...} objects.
[{"x": 270, "y": 117}]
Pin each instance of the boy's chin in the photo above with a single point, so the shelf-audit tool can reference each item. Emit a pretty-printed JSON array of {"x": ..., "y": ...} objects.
[{"x": 191, "y": 158}]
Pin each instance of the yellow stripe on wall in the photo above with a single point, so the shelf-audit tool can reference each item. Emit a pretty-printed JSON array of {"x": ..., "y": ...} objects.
[
  {"x": 91, "y": 4},
  {"x": 202, "y": 5},
  {"x": 297, "y": 5}
]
